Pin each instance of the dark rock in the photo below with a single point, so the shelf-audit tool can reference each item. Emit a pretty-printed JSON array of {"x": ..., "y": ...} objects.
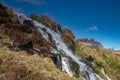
[
  {"x": 59, "y": 28},
  {"x": 57, "y": 60},
  {"x": 45, "y": 30},
  {"x": 74, "y": 67},
  {"x": 72, "y": 48},
  {"x": 85, "y": 74},
  {"x": 7, "y": 15},
  {"x": 50, "y": 37},
  {"x": 2, "y": 6},
  {"x": 28, "y": 22},
  {"x": 23, "y": 44},
  {"x": 90, "y": 58},
  {"x": 1, "y": 42}
]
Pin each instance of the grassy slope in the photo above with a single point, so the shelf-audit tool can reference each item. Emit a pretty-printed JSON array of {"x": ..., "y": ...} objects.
[
  {"x": 19, "y": 66},
  {"x": 102, "y": 57}
]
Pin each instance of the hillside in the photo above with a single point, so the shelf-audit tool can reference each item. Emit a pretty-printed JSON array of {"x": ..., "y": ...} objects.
[
  {"x": 102, "y": 57},
  {"x": 19, "y": 66},
  {"x": 38, "y": 48},
  {"x": 18, "y": 44}
]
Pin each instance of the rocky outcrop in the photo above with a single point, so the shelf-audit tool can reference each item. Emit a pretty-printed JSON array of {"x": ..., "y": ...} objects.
[
  {"x": 69, "y": 38},
  {"x": 47, "y": 21},
  {"x": 57, "y": 60},
  {"x": 23, "y": 36},
  {"x": 6, "y": 15},
  {"x": 94, "y": 44}
]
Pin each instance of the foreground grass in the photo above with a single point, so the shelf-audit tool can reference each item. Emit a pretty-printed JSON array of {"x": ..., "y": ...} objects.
[{"x": 17, "y": 66}]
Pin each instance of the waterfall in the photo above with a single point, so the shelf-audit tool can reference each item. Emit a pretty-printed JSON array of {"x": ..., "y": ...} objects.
[
  {"x": 103, "y": 72},
  {"x": 85, "y": 70}
]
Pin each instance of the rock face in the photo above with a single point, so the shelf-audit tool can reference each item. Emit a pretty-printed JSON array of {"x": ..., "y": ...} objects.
[
  {"x": 95, "y": 44},
  {"x": 57, "y": 60},
  {"x": 23, "y": 44},
  {"x": 6, "y": 15}
]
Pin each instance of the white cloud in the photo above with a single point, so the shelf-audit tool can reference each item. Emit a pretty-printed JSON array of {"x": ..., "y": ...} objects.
[
  {"x": 34, "y": 2},
  {"x": 93, "y": 28},
  {"x": 20, "y": 10}
]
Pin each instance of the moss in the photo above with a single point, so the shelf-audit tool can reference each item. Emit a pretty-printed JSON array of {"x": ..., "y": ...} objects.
[
  {"x": 99, "y": 73},
  {"x": 75, "y": 68}
]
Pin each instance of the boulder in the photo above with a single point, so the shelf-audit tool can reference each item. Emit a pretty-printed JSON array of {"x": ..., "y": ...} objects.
[{"x": 28, "y": 22}]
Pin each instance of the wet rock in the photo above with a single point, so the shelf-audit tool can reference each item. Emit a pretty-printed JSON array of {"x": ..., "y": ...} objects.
[
  {"x": 57, "y": 60},
  {"x": 28, "y": 22},
  {"x": 85, "y": 74},
  {"x": 50, "y": 37},
  {"x": 74, "y": 67}
]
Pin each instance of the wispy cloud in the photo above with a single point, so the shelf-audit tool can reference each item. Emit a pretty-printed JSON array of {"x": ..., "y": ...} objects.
[
  {"x": 93, "y": 28},
  {"x": 11, "y": 7},
  {"x": 34, "y": 2},
  {"x": 20, "y": 10}
]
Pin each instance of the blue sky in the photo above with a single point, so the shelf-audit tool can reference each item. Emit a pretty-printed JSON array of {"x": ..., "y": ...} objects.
[{"x": 98, "y": 19}]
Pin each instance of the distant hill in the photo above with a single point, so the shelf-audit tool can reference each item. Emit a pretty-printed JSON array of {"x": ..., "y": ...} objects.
[{"x": 94, "y": 44}]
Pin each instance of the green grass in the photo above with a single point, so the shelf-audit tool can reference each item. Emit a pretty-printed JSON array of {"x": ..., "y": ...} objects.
[{"x": 102, "y": 57}]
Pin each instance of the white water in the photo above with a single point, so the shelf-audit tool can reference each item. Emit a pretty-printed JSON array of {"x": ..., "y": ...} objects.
[
  {"x": 85, "y": 70},
  {"x": 103, "y": 71},
  {"x": 65, "y": 66}
]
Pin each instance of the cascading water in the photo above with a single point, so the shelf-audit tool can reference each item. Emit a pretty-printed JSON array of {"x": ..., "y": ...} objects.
[
  {"x": 85, "y": 70},
  {"x": 103, "y": 71}
]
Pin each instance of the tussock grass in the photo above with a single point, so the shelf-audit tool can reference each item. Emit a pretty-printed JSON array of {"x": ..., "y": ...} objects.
[
  {"x": 17, "y": 66},
  {"x": 103, "y": 58}
]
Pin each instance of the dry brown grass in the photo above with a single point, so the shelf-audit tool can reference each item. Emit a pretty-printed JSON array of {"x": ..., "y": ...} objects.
[
  {"x": 17, "y": 66},
  {"x": 102, "y": 57}
]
